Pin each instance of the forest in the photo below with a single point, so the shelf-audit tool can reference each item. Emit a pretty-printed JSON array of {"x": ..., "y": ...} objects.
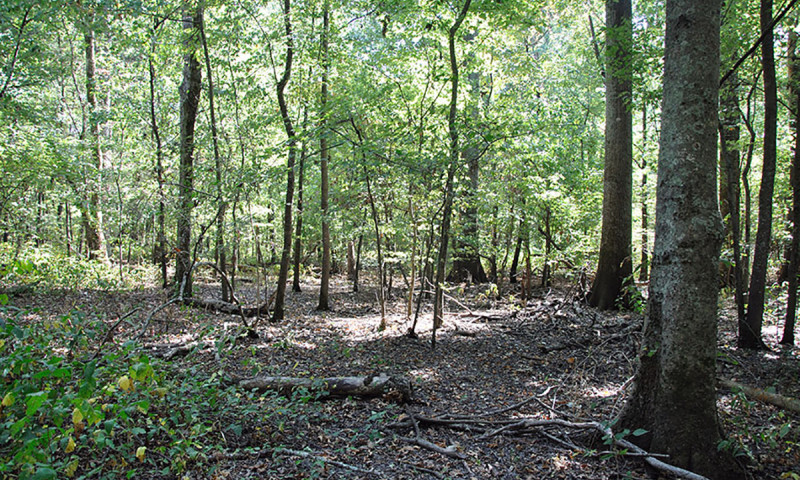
[{"x": 399, "y": 239}]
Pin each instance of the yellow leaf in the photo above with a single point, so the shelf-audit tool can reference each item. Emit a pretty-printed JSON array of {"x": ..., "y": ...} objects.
[
  {"x": 125, "y": 383},
  {"x": 77, "y": 416},
  {"x": 161, "y": 392},
  {"x": 71, "y": 468},
  {"x": 70, "y": 446},
  {"x": 140, "y": 452},
  {"x": 8, "y": 400}
]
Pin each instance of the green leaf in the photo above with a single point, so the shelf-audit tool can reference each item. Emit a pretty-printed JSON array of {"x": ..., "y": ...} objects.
[
  {"x": 34, "y": 401},
  {"x": 44, "y": 473},
  {"x": 639, "y": 432}
]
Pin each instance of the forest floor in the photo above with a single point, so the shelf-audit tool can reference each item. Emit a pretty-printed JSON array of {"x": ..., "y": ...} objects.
[{"x": 553, "y": 358}]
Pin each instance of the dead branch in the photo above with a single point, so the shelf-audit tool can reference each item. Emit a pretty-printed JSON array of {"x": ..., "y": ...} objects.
[
  {"x": 298, "y": 453},
  {"x": 110, "y": 333},
  {"x": 787, "y": 403},
  {"x": 449, "y": 451}
]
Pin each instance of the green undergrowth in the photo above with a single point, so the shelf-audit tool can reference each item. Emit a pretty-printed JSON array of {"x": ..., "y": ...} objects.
[
  {"x": 66, "y": 415},
  {"x": 48, "y": 267}
]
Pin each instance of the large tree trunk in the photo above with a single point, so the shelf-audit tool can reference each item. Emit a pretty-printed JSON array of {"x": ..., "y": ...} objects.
[
  {"x": 750, "y": 329},
  {"x": 447, "y": 211},
  {"x": 280, "y": 292},
  {"x": 91, "y": 213},
  {"x": 614, "y": 263},
  {"x": 324, "y": 157},
  {"x": 674, "y": 396},
  {"x": 189, "y": 100}
]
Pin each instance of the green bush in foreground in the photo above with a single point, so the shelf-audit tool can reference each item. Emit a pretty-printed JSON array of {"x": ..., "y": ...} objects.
[{"x": 63, "y": 415}]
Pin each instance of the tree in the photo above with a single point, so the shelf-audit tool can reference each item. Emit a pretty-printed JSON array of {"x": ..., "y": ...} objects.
[
  {"x": 674, "y": 394},
  {"x": 91, "y": 213},
  {"x": 280, "y": 293},
  {"x": 447, "y": 210},
  {"x": 189, "y": 102},
  {"x": 794, "y": 256},
  {"x": 324, "y": 158},
  {"x": 750, "y": 329},
  {"x": 614, "y": 263}
]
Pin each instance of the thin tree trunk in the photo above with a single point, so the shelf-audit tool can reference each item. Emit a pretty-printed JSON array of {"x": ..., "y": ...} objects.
[
  {"x": 750, "y": 329},
  {"x": 298, "y": 233},
  {"x": 729, "y": 139},
  {"x": 447, "y": 211},
  {"x": 283, "y": 274},
  {"x": 189, "y": 100},
  {"x": 92, "y": 213},
  {"x": 794, "y": 180},
  {"x": 324, "y": 157},
  {"x": 161, "y": 237},
  {"x": 644, "y": 262},
  {"x": 219, "y": 244},
  {"x": 376, "y": 224}
]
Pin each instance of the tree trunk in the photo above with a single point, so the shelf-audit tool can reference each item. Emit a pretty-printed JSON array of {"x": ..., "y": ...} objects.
[
  {"x": 298, "y": 232},
  {"x": 614, "y": 263},
  {"x": 674, "y": 395},
  {"x": 750, "y": 329},
  {"x": 512, "y": 272},
  {"x": 467, "y": 266},
  {"x": 729, "y": 188},
  {"x": 92, "y": 214},
  {"x": 794, "y": 180},
  {"x": 324, "y": 157},
  {"x": 161, "y": 237},
  {"x": 644, "y": 262},
  {"x": 447, "y": 211},
  {"x": 219, "y": 243},
  {"x": 280, "y": 292},
  {"x": 189, "y": 100}
]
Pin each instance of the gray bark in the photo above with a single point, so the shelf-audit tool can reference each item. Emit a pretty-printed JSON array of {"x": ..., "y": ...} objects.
[{"x": 674, "y": 395}]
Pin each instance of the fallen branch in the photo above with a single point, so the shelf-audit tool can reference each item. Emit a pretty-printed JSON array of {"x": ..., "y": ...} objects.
[
  {"x": 787, "y": 403},
  {"x": 529, "y": 425},
  {"x": 449, "y": 451},
  {"x": 382, "y": 385},
  {"x": 298, "y": 453}
]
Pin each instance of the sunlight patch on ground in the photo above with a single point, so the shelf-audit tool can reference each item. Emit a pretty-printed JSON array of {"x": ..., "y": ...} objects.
[
  {"x": 602, "y": 392},
  {"x": 424, "y": 373}
]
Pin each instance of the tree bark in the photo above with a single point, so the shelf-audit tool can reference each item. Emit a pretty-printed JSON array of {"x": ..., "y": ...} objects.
[
  {"x": 189, "y": 101},
  {"x": 324, "y": 157},
  {"x": 750, "y": 329},
  {"x": 794, "y": 181},
  {"x": 674, "y": 395},
  {"x": 729, "y": 188},
  {"x": 614, "y": 263},
  {"x": 280, "y": 292}
]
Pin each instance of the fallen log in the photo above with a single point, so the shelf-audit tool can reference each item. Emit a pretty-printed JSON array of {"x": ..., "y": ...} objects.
[
  {"x": 381, "y": 385},
  {"x": 787, "y": 403}
]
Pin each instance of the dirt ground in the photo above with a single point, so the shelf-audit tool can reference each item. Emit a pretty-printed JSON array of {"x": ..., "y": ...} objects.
[{"x": 565, "y": 359}]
